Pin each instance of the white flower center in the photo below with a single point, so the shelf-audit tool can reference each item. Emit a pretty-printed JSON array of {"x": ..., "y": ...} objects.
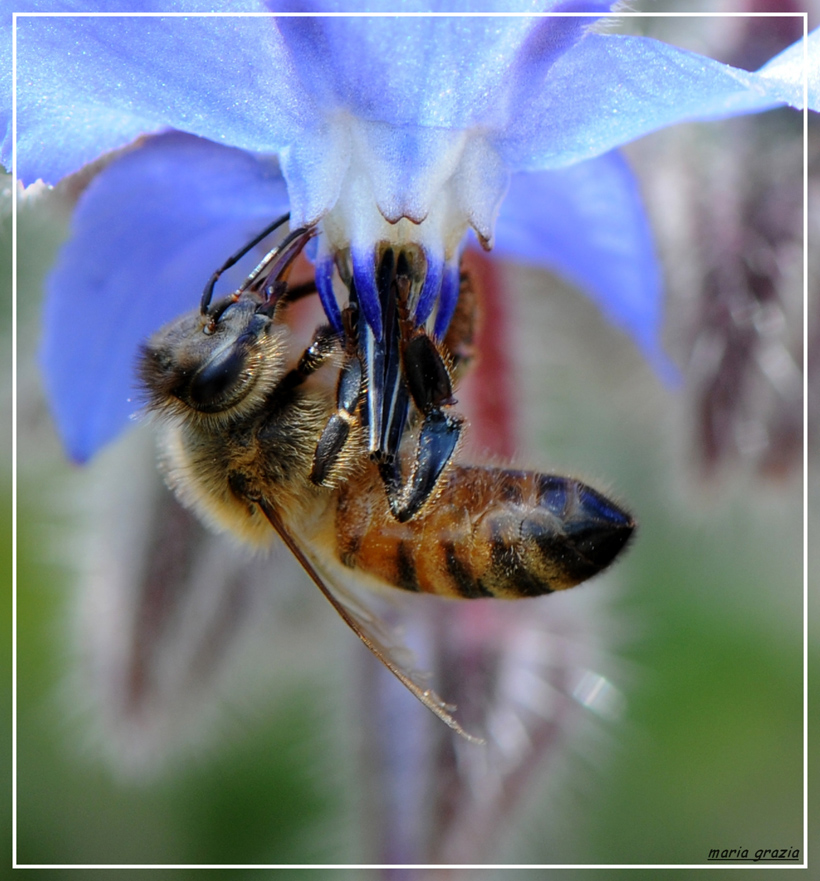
[{"x": 400, "y": 185}]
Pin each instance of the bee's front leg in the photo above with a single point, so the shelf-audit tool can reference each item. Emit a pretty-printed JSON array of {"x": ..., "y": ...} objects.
[{"x": 325, "y": 343}]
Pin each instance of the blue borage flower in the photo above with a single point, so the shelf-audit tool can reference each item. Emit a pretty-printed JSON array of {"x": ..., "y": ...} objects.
[{"x": 405, "y": 132}]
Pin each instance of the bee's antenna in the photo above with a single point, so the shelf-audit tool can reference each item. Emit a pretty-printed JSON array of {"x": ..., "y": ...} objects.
[
  {"x": 208, "y": 293},
  {"x": 271, "y": 274}
]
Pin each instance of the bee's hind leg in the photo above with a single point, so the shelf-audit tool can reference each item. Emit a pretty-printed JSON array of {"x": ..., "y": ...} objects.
[
  {"x": 429, "y": 370},
  {"x": 428, "y": 380},
  {"x": 437, "y": 442}
]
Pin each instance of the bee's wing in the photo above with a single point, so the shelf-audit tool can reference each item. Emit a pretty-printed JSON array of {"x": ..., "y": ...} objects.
[{"x": 366, "y": 627}]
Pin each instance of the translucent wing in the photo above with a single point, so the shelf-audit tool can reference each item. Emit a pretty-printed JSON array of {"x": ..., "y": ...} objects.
[{"x": 366, "y": 627}]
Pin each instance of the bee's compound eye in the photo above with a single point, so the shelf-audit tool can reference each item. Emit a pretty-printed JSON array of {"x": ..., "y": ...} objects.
[{"x": 216, "y": 383}]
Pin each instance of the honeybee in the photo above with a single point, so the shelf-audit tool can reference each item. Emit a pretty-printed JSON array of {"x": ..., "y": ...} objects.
[{"x": 255, "y": 439}]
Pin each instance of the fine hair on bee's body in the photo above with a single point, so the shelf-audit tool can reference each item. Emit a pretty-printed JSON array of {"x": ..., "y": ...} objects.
[
  {"x": 264, "y": 438},
  {"x": 254, "y": 437},
  {"x": 485, "y": 531}
]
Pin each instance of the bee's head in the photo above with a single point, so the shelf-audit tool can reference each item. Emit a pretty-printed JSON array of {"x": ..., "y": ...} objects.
[{"x": 221, "y": 362}]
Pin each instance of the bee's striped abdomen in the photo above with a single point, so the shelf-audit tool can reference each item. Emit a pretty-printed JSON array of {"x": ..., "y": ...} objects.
[{"x": 490, "y": 532}]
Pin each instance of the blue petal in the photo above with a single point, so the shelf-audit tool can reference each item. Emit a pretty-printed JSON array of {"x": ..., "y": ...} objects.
[
  {"x": 411, "y": 116},
  {"x": 84, "y": 6},
  {"x": 146, "y": 236},
  {"x": 89, "y": 85},
  {"x": 497, "y": 7},
  {"x": 234, "y": 80},
  {"x": 422, "y": 71},
  {"x": 611, "y": 89},
  {"x": 588, "y": 223},
  {"x": 785, "y": 72}
]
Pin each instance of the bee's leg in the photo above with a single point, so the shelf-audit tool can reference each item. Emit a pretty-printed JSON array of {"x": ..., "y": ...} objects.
[
  {"x": 325, "y": 342},
  {"x": 437, "y": 442},
  {"x": 337, "y": 431},
  {"x": 296, "y": 292},
  {"x": 349, "y": 392},
  {"x": 429, "y": 383}
]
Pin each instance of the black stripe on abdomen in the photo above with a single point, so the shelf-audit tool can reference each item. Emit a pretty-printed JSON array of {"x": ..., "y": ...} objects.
[
  {"x": 466, "y": 585},
  {"x": 406, "y": 576}
]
